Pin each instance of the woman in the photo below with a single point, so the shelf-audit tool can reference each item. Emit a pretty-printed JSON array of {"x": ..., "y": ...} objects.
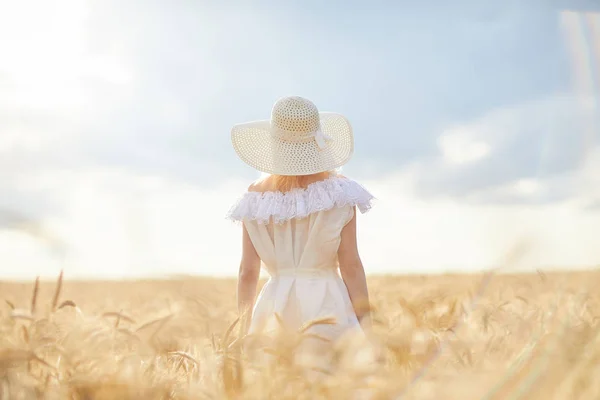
[{"x": 300, "y": 222}]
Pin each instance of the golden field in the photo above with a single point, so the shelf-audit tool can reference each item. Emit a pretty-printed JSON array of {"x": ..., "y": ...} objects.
[{"x": 478, "y": 336}]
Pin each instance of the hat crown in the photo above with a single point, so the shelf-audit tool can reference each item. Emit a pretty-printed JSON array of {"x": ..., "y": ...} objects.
[{"x": 295, "y": 114}]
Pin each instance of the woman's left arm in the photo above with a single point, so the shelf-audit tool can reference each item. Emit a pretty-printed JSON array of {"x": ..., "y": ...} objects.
[{"x": 247, "y": 279}]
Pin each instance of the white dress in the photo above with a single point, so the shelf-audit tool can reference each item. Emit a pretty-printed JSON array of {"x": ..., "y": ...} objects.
[{"x": 297, "y": 235}]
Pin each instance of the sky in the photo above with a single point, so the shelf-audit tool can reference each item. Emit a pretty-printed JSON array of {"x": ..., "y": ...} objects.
[{"x": 477, "y": 127}]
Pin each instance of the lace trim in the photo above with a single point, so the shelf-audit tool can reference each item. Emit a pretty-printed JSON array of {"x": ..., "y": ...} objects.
[{"x": 299, "y": 203}]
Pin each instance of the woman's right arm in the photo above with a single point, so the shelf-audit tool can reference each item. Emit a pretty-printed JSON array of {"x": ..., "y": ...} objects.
[{"x": 353, "y": 273}]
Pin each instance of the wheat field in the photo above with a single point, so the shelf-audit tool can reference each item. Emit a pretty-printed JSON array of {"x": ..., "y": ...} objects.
[{"x": 480, "y": 336}]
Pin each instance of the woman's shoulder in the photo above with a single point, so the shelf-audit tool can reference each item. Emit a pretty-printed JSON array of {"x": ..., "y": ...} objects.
[
  {"x": 261, "y": 203},
  {"x": 259, "y": 186}
]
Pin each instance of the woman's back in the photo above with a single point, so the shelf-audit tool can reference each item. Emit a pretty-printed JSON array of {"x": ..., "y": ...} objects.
[
  {"x": 300, "y": 229},
  {"x": 297, "y": 236}
]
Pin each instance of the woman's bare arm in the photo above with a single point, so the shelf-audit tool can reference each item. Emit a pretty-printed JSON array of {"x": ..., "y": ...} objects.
[
  {"x": 247, "y": 278},
  {"x": 353, "y": 273}
]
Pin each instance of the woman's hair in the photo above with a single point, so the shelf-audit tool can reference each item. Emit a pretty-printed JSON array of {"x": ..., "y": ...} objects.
[{"x": 284, "y": 183}]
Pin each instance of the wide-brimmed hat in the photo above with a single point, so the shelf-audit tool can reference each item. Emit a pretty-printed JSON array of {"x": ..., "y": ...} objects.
[{"x": 297, "y": 140}]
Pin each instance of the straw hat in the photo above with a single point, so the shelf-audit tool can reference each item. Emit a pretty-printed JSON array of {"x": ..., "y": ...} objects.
[{"x": 297, "y": 140}]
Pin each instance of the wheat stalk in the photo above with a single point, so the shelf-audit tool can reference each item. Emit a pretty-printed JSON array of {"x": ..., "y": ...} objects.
[{"x": 34, "y": 295}]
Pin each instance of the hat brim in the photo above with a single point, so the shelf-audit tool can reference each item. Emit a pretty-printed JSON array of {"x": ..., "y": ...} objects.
[{"x": 257, "y": 147}]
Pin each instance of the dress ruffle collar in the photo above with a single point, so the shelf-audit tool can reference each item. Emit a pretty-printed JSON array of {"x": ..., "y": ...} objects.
[{"x": 299, "y": 203}]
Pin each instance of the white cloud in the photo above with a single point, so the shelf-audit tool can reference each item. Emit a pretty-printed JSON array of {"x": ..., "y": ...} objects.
[
  {"x": 407, "y": 233},
  {"x": 517, "y": 153},
  {"x": 117, "y": 224},
  {"x": 527, "y": 186},
  {"x": 458, "y": 149}
]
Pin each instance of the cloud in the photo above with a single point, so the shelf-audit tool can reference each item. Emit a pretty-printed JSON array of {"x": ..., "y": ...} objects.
[
  {"x": 459, "y": 149},
  {"x": 533, "y": 151},
  {"x": 593, "y": 205},
  {"x": 10, "y": 218},
  {"x": 115, "y": 224},
  {"x": 406, "y": 233}
]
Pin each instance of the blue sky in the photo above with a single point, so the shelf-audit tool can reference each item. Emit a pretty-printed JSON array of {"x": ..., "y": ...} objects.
[{"x": 118, "y": 111}]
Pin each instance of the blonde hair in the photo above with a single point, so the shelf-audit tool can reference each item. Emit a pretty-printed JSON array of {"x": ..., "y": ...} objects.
[{"x": 285, "y": 183}]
